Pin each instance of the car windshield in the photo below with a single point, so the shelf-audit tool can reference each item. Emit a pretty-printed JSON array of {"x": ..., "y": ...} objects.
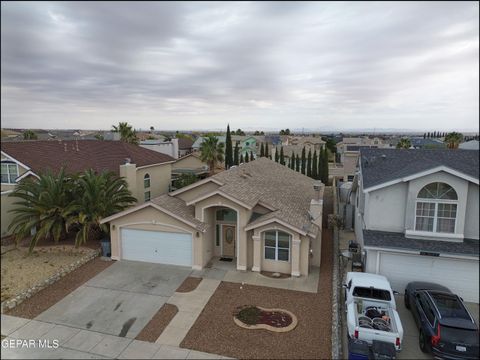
[
  {"x": 464, "y": 336},
  {"x": 371, "y": 293}
]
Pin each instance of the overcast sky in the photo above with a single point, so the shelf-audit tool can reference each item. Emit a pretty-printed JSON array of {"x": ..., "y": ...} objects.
[{"x": 191, "y": 65}]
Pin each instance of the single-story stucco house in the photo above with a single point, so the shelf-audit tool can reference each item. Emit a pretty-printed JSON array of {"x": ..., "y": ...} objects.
[{"x": 263, "y": 215}]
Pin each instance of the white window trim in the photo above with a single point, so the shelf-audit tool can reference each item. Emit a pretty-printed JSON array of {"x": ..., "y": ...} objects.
[
  {"x": 435, "y": 216},
  {"x": 149, "y": 181},
  {"x": 276, "y": 246},
  {"x": 10, "y": 162},
  {"x": 149, "y": 197}
]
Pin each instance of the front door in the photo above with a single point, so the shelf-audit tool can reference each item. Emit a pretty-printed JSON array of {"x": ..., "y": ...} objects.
[{"x": 228, "y": 237}]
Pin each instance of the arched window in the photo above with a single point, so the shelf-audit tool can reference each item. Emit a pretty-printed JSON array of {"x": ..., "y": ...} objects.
[
  {"x": 9, "y": 172},
  {"x": 436, "y": 209},
  {"x": 146, "y": 181},
  {"x": 277, "y": 245}
]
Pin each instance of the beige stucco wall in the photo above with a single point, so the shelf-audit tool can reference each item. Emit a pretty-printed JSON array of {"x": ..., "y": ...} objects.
[
  {"x": 189, "y": 162},
  {"x": 160, "y": 177},
  {"x": 195, "y": 192},
  {"x": 154, "y": 220},
  {"x": 208, "y": 237},
  {"x": 7, "y": 205},
  {"x": 284, "y": 266},
  {"x": 243, "y": 216},
  {"x": 316, "y": 245},
  {"x": 6, "y": 201},
  {"x": 472, "y": 215}
]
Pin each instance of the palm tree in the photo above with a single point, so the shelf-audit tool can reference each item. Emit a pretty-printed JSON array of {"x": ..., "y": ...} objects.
[
  {"x": 211, "y": 152},
  {"x": 44, "y": 204},
  {"x": 96, "y": 197},
  {"x": 404, "y": 143},
  {"x": 127, "y": 134},
  {"x": 453, "y": 139}
]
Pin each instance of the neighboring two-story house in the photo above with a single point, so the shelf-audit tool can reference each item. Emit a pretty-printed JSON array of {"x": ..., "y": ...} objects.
[
  {"x": 349, "y": 149},
  {"x": 148, "y": 173},
  {"x": 416, "y": 216},
  {"x": 263, "y": 215}
]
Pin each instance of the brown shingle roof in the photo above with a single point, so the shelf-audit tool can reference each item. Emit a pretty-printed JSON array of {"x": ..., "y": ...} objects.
[
  {"x": 288, "y": 192},
  {"x": 91, "y": 154},
  {"x": 185, "y": 143},
  {"x": 178, "y": 207}
]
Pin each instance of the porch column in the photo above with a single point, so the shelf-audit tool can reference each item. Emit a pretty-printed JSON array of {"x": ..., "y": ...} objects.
[
  {"x": 257, "y": 252},
  {"x": 296, "y": 257}
]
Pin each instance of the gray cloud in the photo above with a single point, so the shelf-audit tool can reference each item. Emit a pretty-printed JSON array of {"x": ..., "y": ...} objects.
[{"x": 200, "y": 65}]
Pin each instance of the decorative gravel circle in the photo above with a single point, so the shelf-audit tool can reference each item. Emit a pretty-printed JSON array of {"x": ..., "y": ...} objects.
[{"x": 255, "y": 317}]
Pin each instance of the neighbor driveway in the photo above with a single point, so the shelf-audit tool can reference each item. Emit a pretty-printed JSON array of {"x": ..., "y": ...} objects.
[
  {"x": 410, "y": 348},
  {"x": 119, "y": 301}
]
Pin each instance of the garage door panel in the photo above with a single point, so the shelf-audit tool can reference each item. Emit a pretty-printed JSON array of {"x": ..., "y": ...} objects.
[
  {"x": 460, "y": 276},
  {"x": 157, "y": 247}
]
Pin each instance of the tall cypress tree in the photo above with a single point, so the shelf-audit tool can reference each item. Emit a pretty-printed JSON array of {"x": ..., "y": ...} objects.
[
  {"x": 266, "y": 150},
  {"x": 262, "y": 151},
  {"x": 325, "y": 166},
  {"x": 320, "y": 165},
  {"x": 282, "y": 156},
  {"x": 315, "y": 165},
  {"x": 292, "y": 161},
  {"x": 251, "y": 156},
  {"x": 303, "y": 161},
  {"x": 424, "y": 135},
  {"x": 297, "y": 163},
  {"x": 241, "y": 158},
  {"x": 235, "y": 154},
  {"x": 228, "y": 149},
  {"x": 309, "y": 163},
  {"x": 247, "y": 159},
  {"x": 276, "y": 154}
]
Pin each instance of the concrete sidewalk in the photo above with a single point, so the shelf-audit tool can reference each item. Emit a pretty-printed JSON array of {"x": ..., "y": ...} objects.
[
  {"x": 76, "y": 343},
  {"x": 189, "y": 305}
]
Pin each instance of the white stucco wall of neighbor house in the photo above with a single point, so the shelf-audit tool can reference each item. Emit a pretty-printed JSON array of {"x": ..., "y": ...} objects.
[
  {"x": 459, "y": 185},
  {"x": 472, "y": 212},
  {"x": 386, "y": 208}
]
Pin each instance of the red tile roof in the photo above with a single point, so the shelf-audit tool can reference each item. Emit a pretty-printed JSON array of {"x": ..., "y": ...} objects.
[{"x": 80, "y": 155}]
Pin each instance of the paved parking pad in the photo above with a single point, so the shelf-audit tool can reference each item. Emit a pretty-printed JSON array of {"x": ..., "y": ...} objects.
[{"x": 120, "y": 301}]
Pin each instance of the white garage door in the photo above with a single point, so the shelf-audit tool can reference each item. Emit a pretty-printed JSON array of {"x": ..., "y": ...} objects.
[
  {"x": 460, "y": 276},
  {"x": 157, "y": 247}
]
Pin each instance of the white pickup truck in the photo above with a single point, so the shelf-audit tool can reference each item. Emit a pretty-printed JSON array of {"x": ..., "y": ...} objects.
[{"x": 371, "y": 309}]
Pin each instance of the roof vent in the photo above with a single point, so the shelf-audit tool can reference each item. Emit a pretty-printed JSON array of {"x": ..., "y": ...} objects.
[
  {"x": 127, "y": 160},
  {"x": 384, "y": 156}
]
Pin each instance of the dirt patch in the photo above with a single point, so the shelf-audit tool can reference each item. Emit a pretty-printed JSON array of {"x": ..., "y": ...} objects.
[
  {"x": 49, "y": 296},
  {"x": 189, "y": 284},
  {"x": 275, "y": 275},
  {"x": 21, "y": 270},
  {"x": 158, "y": 323}
]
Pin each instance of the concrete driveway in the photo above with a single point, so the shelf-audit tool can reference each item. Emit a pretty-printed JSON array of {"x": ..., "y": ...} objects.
[
  {"x": 119, "y": 301},
  {"x": 410, "y": 348}
]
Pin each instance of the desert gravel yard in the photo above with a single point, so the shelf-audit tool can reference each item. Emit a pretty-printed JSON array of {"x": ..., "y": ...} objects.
[{"x": 21, "y": 271}]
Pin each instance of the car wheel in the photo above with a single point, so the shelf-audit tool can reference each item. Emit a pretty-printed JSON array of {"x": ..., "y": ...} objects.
[
  {"x": 423, "y": 342},
  {"x": 406, "y": 301}
]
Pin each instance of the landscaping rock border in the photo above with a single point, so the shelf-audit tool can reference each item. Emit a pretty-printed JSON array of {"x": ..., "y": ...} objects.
[
  {"x": 290, "y": 327},
  {"x": 27, "y": 293}
]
